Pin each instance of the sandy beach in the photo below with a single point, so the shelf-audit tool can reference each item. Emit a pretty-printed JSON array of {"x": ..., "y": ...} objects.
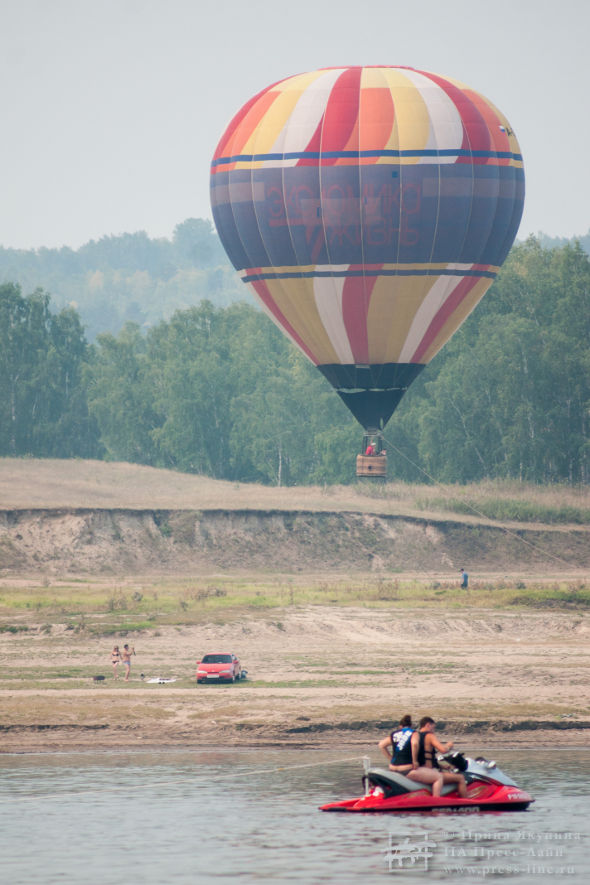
[{"x": 317, "y": 676}]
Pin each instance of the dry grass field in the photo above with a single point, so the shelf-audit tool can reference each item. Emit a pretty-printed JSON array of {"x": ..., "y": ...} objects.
[{"x": 52, "y": 483}]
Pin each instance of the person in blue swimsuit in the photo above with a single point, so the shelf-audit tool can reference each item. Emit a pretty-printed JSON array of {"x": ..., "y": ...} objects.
[
  {"x": 397, "y": 748},
  {"x": 126, "y": 657}
]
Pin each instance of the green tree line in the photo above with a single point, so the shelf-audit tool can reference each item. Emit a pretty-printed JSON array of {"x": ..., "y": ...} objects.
[
  {"x": 218, "y": 390},
  {"x": 130, "y": 277}
]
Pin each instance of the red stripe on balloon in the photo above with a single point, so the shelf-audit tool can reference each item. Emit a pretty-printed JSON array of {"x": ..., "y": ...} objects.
[
  {"x": 498, "y": 135},
  {"x": 356, "y": 295},
  {"x": 236, "y": 121},
  {"x": 341, "y": 114},
  {"x": 459, "y": 293},
  {"x": 241, "y": 134},
  {"x": 376, "y": 117},
  {"x": 265, "y": 296}
]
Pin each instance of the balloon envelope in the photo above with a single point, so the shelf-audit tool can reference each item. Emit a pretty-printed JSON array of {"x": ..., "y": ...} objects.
[{"x": 369, "y": 209}]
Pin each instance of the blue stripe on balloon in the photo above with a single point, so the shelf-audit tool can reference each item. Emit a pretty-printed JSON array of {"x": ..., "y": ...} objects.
[
  {"x": 424, "y": 272},
  {"x": 343, "y": 155}
]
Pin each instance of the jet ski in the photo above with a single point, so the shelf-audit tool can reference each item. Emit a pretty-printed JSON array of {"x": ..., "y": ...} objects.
[{"x": 488, "y": 789}]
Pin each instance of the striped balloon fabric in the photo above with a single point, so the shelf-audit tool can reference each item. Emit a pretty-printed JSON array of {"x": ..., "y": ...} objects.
[{"x": 369, "y": 208}]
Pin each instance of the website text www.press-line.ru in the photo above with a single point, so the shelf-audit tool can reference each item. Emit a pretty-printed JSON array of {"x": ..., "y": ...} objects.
[{"x": 502, "y": 870}]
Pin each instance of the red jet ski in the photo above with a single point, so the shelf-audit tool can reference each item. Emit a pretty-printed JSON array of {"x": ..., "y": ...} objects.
[{"x": 488, "y": 789}]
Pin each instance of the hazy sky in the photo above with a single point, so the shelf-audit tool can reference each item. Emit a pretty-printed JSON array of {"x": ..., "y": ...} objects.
[{"x": 111, "y": 109}]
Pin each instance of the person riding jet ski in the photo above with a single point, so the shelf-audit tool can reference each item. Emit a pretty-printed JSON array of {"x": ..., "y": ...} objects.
[
  {"x": 397, "y": 748},
  {"x": 425, "y": 768}
]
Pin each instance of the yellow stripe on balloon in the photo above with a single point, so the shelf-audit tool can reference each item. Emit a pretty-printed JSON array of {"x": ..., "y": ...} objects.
[
  {"x": 411, "y": 125},
  {"x": 295, "y": 298},
  {"x": 433, "y": 268},
  {"x": 394, "y": 302},
  {"x": 299, "y": 83},
  {"x": 263, "y": 138}
]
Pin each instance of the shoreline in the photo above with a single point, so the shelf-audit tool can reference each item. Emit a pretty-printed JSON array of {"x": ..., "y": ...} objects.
[{"x": 47, "y": 739}]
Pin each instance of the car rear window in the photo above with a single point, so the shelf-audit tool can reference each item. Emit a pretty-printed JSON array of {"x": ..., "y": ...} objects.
[{"x": 216, "y": 659}]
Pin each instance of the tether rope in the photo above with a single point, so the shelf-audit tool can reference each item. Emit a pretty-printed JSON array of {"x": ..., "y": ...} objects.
[
  {"x": 479, "y": 513},
  {"x": 127, "y": 787}
]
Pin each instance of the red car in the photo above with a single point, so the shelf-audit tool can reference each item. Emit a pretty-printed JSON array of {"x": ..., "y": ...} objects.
[{"x": 219, "y": 667}]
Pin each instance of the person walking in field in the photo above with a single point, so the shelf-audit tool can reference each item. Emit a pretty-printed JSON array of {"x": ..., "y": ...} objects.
[
  {"x": 115, "y": 660},
  {"x": 126, "y": 656},
  {"x": 464, "y": 579}
]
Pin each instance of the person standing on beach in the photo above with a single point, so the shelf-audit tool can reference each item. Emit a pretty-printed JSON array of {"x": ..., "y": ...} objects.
[
  {"x": 115, "y": 660},
  {"x": 126, "y": 655}
]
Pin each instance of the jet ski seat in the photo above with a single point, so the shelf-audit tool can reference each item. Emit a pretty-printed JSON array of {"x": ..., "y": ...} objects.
[{"x": 394, "y": 784}]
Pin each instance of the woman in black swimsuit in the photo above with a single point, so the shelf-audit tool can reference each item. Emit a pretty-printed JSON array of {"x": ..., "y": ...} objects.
[
  {"x": 425, "y": 768},
  {"x": 115, "y": 659}
]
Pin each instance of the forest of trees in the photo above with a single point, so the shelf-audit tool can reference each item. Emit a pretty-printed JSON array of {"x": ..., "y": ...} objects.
[
  {"x": 216, "y": 388},
  {"x": 129, "y": 278}
]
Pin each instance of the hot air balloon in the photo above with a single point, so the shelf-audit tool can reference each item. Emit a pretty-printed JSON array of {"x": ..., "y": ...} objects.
[{"x": 369, "y": 209}]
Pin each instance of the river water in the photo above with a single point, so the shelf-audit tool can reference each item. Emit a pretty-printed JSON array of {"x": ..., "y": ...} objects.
[{"x": 251, "y": 816}]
